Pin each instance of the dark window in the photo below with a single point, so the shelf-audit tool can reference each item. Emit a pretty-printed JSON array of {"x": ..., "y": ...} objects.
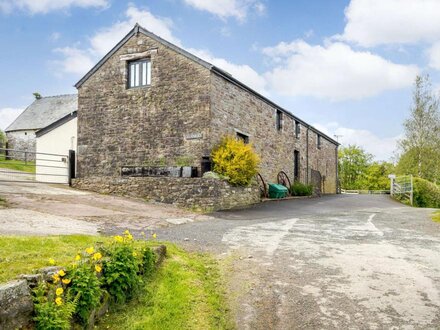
[
  {"x": 296, "y": 165},
  {"x": 139, "y": 73},
  {"x": 279, "y": 120},
  {"x": 318, "y": 142},
  {"x": 243, "y": 137},
  {"x": 297, "y": 129}
]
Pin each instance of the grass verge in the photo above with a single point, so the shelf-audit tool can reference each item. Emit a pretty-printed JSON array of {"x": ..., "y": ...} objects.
[
  {"x": 25, "y": 254},
  {"x": 3, "y": 202},
  {"x": 17, "y": 165},
  {"x": 436, "y": 216},
  {"x": 185, "y": 293}
]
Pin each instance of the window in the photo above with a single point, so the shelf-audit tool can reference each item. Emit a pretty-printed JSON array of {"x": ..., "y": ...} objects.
[
  {"x": 318, "y": 142},
  {"x": 297, "y": 129},
  {"x": 243, "y": 137},
  {"x": 139, "y": 73},
  {"x": 279, "y": 120},
  {"x": 296, "y": 166}
]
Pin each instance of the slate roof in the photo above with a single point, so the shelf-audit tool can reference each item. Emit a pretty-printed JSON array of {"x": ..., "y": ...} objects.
[{"x": 45, "y": 111}]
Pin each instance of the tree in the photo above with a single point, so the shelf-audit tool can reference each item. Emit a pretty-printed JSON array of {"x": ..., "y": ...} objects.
[
  {"x": 420, "y": 145},
  {"x": 2, "y": 139},
  {"x": 376, "y": 176},
  {"x": 353, "y": 163}
]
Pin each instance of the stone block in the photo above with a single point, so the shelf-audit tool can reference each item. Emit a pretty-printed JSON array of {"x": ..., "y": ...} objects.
[{"x": 16, "y": 305}]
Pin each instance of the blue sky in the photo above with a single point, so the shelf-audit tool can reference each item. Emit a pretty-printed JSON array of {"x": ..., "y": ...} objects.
[{"x": 345, "y": 66}]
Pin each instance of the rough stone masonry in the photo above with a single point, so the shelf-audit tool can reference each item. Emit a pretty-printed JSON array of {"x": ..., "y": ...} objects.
[{"x": 185, "y": 110}]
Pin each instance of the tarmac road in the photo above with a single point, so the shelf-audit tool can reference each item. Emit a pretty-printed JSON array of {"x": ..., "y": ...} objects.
[{"x": 336, "y": 262}]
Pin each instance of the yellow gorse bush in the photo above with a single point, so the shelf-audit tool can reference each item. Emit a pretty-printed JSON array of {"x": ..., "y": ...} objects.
[{"x": 236, "y": 160}]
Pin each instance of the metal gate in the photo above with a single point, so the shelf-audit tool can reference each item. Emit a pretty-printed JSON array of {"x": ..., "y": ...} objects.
[{"x": 28, "y": 166}]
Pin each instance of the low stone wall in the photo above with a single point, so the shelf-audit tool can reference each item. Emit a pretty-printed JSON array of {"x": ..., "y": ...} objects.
[
  {"x": 17, "y": 307},
  {"x": 196, "y": 193}
]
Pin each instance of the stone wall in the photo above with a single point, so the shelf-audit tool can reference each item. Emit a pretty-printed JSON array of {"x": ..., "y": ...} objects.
[
  {"x": 24, "y": 140},
  {"x": 131, "y": 126},
  {"x": 196, "y": 193},
  {"x": 237, "y": 110}
]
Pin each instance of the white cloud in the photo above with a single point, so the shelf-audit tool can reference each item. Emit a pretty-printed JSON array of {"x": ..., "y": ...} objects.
[
  {"x": 228, "y": 8},
  {"x": 55, "y": 36},
  {"x": 45, "y": 6},
  {"x": 434, "y": 56},
  {"x": 7, "y": 116},
  {"x": 105, "y": 39},
  {"x": 75, "y": 60},
  {"x": 381, "y": 148},
  {"x": 242, "y": 72},
  {"x": 334, "y": 71},
  {"x": 80, "y": 60},
  {"x": 377, "y": 22}
]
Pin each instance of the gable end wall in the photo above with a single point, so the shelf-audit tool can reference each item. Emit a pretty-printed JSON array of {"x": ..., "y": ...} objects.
[{"x": 119, "y": 126}]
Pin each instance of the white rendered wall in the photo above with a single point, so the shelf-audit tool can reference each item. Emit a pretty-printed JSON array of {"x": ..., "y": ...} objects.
[{"x": 58, "y": 141}]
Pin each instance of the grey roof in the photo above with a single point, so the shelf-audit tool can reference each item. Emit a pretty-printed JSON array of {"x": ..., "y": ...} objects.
[
  {"x": 139, "y": 29},
  {"x": 44, "y": 112}
]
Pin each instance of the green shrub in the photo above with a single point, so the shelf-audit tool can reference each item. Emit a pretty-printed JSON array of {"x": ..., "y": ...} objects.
[
  {"x": 148, "y": 261},
  {"x": 236, "y": 160},
  {"x": 87, "y": 287},
  {"x": 426, "y": 194},
  {"x": 52, "y": 310},
  {"x": 121, "y": 269},
  {"x": 117, "y": 270},
  {"x": 301, "y": 189}
]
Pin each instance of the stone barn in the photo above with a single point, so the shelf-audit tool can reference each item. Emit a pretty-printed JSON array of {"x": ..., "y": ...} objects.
[{"x": 148, "y": 100}]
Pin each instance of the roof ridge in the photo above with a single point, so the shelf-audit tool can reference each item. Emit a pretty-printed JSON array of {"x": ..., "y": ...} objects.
[{"x": 50, "y": 96}]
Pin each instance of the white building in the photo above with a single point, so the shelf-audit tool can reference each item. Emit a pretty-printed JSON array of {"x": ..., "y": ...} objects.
[{"x": 53, "y": 143}]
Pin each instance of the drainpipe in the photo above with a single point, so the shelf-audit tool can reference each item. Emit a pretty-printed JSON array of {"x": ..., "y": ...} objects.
[
  {"x": 337, "y": 169},
  {"x": 307, "y": 155}
]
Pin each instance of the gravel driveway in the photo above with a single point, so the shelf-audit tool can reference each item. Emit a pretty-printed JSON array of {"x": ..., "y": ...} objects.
[
  {"x": 338, "y": 262},
  {"x": 41, "y": 209}
]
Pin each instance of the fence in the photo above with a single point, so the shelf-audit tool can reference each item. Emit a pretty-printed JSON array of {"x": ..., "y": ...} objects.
[
  {"x": 402, "y": 187},
  {"x": 29, "y": 166}
]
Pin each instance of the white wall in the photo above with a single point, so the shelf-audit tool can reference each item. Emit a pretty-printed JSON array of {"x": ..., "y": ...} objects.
[{"x": 58, "y": 141}]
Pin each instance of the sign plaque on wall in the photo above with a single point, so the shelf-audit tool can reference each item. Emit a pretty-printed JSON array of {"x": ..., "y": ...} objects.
[{"x": 193, "y": 136}]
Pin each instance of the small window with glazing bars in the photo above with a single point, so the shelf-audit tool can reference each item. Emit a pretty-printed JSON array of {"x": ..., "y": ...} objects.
[{"x": 139, "y": 73}]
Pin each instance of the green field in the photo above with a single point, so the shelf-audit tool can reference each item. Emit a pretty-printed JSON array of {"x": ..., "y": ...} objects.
[
  {"x": 436, "y": 216},
  {"x": 17, "y": 165}
]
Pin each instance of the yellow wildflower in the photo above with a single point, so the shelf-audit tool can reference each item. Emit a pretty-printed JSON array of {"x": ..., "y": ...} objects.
[
  {"x": 98, "y": 268},
  {"x": 61, "y": 273},
  {"x": 56, "y": 278},
  {"x": 66, "y": 280},
  {"x": 58, "y": 301},
  {"x": 129, "y": 237},
  {"x": 90, "y": 250},
  {"x": 134, "y": 254},
  {"x": 51, "y": 261},
  {"x": 97, "y": 256},
  {"x": 77, "y": 257},
  {"x": 154, "y": 236},
  {"x": 143, "y": 234},
  {"x": 118, "y": 239},
  {"x": 59, "y": 291},
  {"x": 126, "y": 232}
]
